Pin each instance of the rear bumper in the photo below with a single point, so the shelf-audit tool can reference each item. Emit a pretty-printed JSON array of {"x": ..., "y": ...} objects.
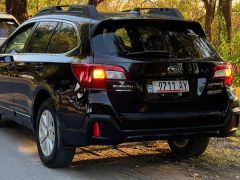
[{"x": 112, "y": 134}]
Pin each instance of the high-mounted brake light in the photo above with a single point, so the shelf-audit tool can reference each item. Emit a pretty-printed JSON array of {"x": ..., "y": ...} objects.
[
  {"x": 96, "y": 75},
  {"x": 224, "y": 71}
]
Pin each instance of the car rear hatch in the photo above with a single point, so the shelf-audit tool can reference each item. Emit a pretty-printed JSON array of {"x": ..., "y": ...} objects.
[{"x": 169, "y": 74}]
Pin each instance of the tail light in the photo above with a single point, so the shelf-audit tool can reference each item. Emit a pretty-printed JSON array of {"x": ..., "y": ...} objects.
[
  {"x": 224, "y": 71},
  {"x": 96, "y": 75}
]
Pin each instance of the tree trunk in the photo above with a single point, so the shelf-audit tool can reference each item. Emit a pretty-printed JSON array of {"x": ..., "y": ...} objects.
[
  {"x": 210, "y": 6},
  {"x": 17, "y": 8},
  {"x": 94, "y": 2},
  {"x": 225, "y": 7}
]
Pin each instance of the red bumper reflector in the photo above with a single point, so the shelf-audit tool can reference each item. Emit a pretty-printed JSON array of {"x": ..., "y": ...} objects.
[
  {"x": 236, "y": 121},
  {"x": 96, "y": 130}
]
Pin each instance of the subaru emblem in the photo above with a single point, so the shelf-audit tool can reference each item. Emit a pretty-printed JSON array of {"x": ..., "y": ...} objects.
[{"x": 175, "y": 70}]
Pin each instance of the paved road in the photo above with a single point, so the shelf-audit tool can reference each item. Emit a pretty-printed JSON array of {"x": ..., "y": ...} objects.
[{"x": 19, "y": 160}]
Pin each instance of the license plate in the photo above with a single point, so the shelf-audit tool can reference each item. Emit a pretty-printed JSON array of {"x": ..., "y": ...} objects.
[{"x": 170, "y": 86}]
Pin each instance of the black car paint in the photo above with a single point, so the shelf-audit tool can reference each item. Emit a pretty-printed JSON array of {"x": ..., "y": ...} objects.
[{"x": 130, "y": 115}]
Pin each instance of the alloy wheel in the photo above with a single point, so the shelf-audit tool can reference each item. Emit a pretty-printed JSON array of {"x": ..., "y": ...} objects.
[{"x": 46, "y": 133}]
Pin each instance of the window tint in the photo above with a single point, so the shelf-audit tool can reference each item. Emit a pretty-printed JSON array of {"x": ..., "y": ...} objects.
[
  {"x": 41, "y": 37},
  {"x": 18, "y": 42},
  {"x": 67, "y": 38},
  {"x": 153, "y": 39}
]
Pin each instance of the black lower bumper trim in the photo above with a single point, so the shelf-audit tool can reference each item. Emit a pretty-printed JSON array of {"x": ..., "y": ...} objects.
[{"x": 111, "y": 134}]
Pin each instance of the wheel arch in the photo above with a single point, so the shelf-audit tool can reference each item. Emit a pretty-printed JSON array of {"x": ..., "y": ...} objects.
[{"x": 40, "y": 96}]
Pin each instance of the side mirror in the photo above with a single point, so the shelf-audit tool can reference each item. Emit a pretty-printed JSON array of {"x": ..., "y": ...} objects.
[{"x": 7, "y": 59}]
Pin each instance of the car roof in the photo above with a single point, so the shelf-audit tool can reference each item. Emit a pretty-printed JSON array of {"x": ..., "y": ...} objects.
[
  {"x": 80, "y": 14},
  {"x": 89, "y": 14},
  {"x": 105, "y": 16}
]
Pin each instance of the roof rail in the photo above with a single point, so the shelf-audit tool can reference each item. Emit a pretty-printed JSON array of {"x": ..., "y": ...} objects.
[
  {"x": 88, "y": 11},
  {"x": 50, "y": 9},
  {"x": 173, "y": 12}
]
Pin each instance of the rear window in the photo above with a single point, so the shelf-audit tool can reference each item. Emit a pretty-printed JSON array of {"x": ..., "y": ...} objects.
[
  {"x": 151, "y": 38},
  {"x": 7, "y": 27}
]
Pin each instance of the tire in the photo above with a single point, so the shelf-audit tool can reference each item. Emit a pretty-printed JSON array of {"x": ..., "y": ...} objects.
[
  {"x": 187, "y": 148},
  {"x": 49, "y": 140}
]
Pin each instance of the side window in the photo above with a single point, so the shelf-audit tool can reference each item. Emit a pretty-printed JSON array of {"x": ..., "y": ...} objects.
[
  {"x": 67, "y": 38},
  {"x": 41, "y": 37},
  {"x": 17, "y": 43}
]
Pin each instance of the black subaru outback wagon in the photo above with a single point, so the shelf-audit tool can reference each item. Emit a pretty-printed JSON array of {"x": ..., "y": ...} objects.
[{"x": 79, "y": 77}]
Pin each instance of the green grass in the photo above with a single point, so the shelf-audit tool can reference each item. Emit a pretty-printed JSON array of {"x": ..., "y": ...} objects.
[
  {"x": 221, "y": 153},
  {"x": 238, "y": 133}
]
